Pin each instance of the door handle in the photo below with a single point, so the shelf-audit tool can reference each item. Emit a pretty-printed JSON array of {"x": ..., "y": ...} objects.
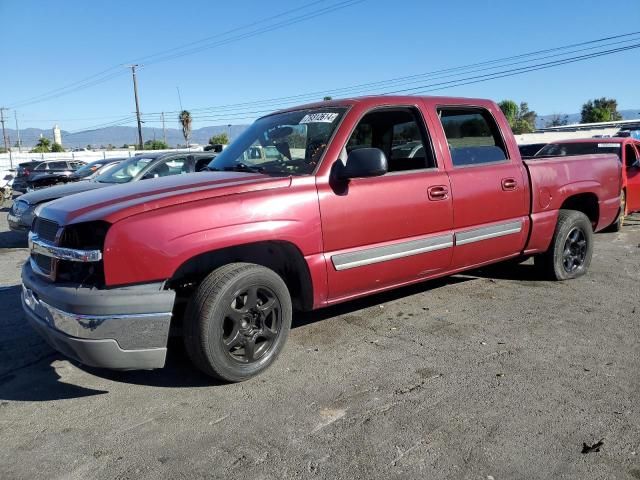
[
  {"x": 509, "y": 184},
  {"x": 438, "y": 192}
]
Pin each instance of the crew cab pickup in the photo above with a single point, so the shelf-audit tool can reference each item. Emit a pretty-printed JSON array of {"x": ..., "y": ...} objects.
[{"x": 337, "y": 211}]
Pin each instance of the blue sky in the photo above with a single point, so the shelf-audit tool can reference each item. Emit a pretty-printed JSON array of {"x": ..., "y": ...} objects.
[{"x": 47, "y": 45}]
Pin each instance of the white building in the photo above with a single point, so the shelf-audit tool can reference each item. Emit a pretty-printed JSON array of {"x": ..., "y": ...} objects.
[{"x": 57, "y": 135}]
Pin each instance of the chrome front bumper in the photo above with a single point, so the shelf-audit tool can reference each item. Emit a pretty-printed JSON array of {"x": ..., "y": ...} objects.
[{"x": 98, "y": 336}]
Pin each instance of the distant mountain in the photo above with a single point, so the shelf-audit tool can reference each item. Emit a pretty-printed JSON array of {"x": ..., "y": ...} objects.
[
  {"x": 118, "y": 136},
  {"x": 542, "y": 120}
]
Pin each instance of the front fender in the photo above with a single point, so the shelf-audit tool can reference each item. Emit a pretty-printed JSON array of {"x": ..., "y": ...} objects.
[{"x": 151, "y": 246}]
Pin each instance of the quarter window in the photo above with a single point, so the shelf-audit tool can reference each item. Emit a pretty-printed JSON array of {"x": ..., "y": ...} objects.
[
  {"x": 399, "y": 133},
  {"x": 57, "y": 166},
  {"x": 473, "y": 136}
]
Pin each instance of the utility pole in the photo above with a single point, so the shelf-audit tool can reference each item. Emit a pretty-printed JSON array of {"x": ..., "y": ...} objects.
[
  {"x": 15, "y": 114},
  {"x": 4, "y": 137},
  {"x": 164, "y": 130},
  {"x": 135, "y": 93}
]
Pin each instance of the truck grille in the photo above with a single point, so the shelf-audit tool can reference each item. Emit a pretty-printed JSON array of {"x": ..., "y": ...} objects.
[
  {"x": 45, "y": 229},
  {"x": 43, "y": 262}
]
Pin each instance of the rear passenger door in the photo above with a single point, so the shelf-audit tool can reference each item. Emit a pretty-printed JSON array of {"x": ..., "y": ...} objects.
[{"x": 490, "y": 206}]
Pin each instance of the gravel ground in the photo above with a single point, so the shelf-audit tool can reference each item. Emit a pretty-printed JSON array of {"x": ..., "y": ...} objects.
[{"x": 494, "y": 374}]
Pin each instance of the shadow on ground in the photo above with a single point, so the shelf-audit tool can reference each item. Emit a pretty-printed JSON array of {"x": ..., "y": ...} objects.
[{"x": 27, "y": 373}]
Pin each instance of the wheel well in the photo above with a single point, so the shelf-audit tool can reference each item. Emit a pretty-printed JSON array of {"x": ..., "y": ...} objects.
[
  {"x": 586, "y": 203},
  {"x": 282, "y": 257}
]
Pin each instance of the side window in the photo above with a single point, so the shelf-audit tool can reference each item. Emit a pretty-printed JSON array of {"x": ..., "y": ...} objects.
[
  {"x": 173, "y": 166},
  {"x": 399, "y": 133},
  {"x": 630, "y": 155},
  {"x": 57, "y": 166},
  {"x": 473, "y": 136},
  {"x": 40, "y": 167},
  {"x": 202, "y": 162}
]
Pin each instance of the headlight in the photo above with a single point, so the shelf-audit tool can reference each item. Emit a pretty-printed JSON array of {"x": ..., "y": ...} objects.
[{"x": 20, "y": 207}]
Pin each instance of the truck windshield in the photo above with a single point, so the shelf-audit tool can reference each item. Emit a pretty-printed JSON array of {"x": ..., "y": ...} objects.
[
  {"x": 579, "y": 148},
  {"x": 289, "y": 143}
]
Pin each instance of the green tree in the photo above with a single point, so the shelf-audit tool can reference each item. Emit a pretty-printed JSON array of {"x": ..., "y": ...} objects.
[
  {"x": 43, "y": 146},
  {"x": 327, "y": 98},
  {"x": 557, "y": 120},
  {"x": 56, "y": 147},
  {"x": 185, "y": 121},
  {"x": 600, "y": 110},
  {"x": 222, "y": 138},
  {"x": 520, "y": 118},
  {"x": 510, "y": 110},
  {"x": 155, "y": 145}
]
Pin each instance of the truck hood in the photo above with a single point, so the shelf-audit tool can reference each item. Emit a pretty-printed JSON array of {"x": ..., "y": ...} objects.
[
  {"x": 59, "y": 191},
  {"x": 122, "y": 201}
]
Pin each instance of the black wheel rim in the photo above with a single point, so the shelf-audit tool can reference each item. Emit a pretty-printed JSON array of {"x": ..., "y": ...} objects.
[
  {"x": 252, "y": 324},
  {"x": 575, "y": 250}
]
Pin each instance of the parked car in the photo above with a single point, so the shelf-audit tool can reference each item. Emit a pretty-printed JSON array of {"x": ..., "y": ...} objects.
[
  {"x": 628, "y": 151},
  {"x": 28, "y": 170},
  {"x": 136, "y": 168},
  {"x": 6, "y": 186},
  {"x": 228, "y": 254},
  {"x": 530, "y": 149},
  {"x": 85, "y": 172}
]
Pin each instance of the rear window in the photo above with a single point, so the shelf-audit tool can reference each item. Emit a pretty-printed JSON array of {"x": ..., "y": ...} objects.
[
  {"x": 473, "y": 136},
  {"x": 579, "y": 148}
]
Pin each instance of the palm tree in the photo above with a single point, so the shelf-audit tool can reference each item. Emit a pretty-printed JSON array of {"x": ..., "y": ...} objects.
[
  {"x": 185, "y": 121},
  {"x": 43, "y": 146}
]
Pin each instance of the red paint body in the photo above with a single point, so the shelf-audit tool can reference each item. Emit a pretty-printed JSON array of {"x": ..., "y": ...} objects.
[
  {"x": 630, "y": 176},
  {"x": 159, "y": 225}
]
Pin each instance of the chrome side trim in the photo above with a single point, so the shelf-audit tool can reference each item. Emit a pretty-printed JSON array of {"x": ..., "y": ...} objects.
[
  {"x": 484, "y": 233},
  {"x": 344, "y": 261},
  {"x": 45, "y": 248}
]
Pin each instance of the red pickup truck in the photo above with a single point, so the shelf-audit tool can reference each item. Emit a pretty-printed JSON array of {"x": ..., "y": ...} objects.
[
  {"x": 354, "y": 197},
  {"x": 628, "y": 151}
]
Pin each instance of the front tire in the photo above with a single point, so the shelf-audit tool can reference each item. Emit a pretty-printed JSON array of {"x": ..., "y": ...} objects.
[
  {"x": 571, "y": 249},
  {"x": 237, "y": 321}
]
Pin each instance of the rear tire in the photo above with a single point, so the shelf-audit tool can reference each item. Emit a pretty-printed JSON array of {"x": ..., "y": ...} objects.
[
  {"x": 571, "y": 249},
  {"x": 237, "y": 321}
]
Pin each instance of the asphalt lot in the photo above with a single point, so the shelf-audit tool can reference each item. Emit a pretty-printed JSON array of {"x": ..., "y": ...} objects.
[{"x": 494, "y": 374}]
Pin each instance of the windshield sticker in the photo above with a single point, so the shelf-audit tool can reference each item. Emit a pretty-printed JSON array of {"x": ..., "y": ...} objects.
[
  {"x": 327, "y": 117},
  {"x": 608, "y": 145}
]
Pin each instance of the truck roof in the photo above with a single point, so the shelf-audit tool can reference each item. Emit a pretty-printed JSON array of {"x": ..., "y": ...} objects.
[{"x": 377, "y": 100}]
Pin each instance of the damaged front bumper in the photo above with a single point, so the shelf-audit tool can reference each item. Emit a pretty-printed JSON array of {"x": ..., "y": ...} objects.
[{"x": 119, "y": 328}]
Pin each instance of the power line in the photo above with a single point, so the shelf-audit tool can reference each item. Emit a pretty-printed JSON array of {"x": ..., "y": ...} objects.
[
  {"x": 109, "y": 73},
  {"x": 207, "y": 114},
  {"x": 413, "y": 78}
]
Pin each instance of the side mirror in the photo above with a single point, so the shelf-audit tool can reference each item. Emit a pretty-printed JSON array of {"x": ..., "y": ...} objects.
[
  {"x": 363, "y": 163},
  {"x": 149, "y": 175}
]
